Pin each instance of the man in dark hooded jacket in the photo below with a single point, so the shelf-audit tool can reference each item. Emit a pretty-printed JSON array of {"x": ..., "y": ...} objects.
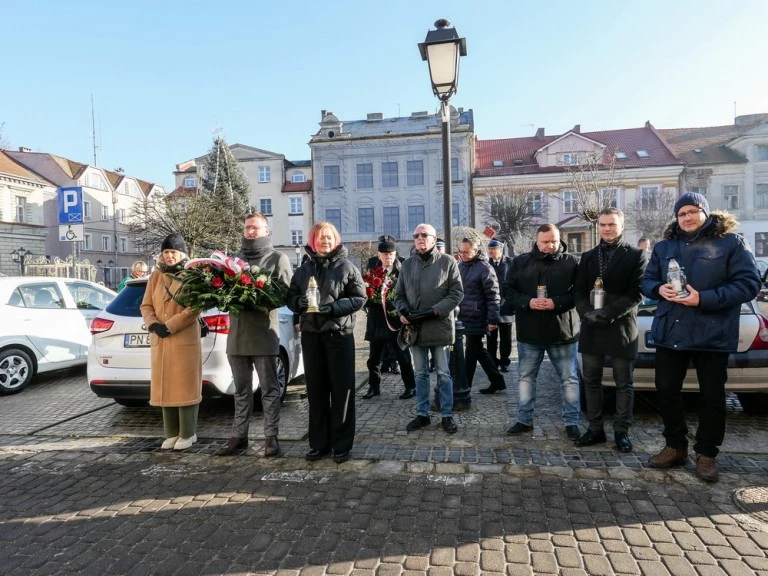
[
  {"x": 254, "y": 342},
  {"x": 540, "y": 287},
  {"x": 701, "y": 327}
]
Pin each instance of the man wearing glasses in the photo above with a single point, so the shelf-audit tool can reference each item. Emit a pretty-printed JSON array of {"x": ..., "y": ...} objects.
[
  {"x": 427, "y": 293},
  {"x": 254, "y": 342},
  {"x": 699, "y": 325}
]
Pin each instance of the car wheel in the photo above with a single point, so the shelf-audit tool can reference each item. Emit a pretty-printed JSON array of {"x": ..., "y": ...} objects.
[
  {"x": 16, "y": 370},
  {"x": 282, "y": 382},
  {"x": 132, "y": 403},
  {"x": 755, "y": 404}
]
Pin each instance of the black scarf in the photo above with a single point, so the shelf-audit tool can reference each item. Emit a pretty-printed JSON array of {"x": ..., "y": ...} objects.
[
  {"x": 605, "y": 252},
  {"x": 255, "y": 247}
]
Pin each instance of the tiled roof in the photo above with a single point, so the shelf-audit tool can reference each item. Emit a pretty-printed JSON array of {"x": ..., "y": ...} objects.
[
  {"x": 399, "y": 126},
  {"x": 181, "y": 191},
  {"x": 298, "y": 163},
  {"x": 522, "y": 151},
  {"x": 12, "y": 168},
  {"x": 298, "y": 186},
  {"x": 710, "y": 140}
]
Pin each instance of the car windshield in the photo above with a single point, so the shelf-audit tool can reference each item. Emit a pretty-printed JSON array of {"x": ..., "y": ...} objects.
[{"x": 128, "y": 300}]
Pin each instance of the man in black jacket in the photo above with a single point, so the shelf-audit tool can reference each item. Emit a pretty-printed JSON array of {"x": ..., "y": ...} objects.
[
  {"x": 501, "y": 338},
  {"x": 609, "y": 325},
  {"x": 540, "y": 287}
]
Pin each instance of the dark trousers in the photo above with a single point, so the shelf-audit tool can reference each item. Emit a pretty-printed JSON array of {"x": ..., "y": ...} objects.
[
  {"x": 671, "y": 367},
  {"x": 500, "y": 339},
  {"x": 592, "y": 367},
  {"x": 476, "y": 352},
  {"x": 242, "y": 372},
  {"x": 377, "y": 350},
  {"x": 389, "y": 359},
  {"x": 329, "y": 368}
]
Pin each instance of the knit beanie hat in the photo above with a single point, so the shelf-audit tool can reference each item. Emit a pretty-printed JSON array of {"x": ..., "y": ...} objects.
[
  {"x": 174, "y": 242},
  {"x": 692, "y": 199}
]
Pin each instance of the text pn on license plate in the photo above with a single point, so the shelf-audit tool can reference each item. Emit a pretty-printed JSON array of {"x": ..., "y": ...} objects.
[
  {"x": 649, "y": 343},
  {"x": 137, "y": 340}
]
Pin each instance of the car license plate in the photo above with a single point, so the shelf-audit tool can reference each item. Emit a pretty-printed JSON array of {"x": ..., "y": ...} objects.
[
  {"x": 649, "y": 343},
  {"x": 137, "y": 340}
]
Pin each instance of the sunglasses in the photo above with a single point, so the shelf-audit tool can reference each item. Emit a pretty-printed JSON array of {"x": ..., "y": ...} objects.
[{"x": 422, "y": 235}]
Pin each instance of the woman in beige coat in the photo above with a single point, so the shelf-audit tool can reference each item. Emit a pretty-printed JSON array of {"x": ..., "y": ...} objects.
[{"x": 176, "y": 384}]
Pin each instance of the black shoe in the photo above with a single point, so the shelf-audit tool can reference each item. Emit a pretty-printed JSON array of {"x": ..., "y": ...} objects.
[
  {"x": 504, "y": 369},
  {"x": 408, "y": 393},
  {"x": 341, "y": 457},
  {"x": 418, "y": 422},
  {"x": 370, "y": 394},
  {"x": 461, "y": 405},
  {"x": 590, "y": 438},
  {"x": 395, "y": 370},
  {"x": 271, "y": 446},
  {"x": 493, "y": 388},
  {"x": 232, "y": 446},
  {"x": 573, "y": 432},
  {"x": 519, "y": 428},
  {"x": 449, "y": 425},
  {"x": 623, "y": 443},
  {"x": 314, "y": 455}
]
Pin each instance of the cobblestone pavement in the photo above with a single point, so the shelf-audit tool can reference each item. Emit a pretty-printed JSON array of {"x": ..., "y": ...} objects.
[{"x": 87, "y": 491}]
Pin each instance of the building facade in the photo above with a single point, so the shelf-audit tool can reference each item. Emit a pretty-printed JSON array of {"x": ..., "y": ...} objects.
[{"x": 385, "y": 175}]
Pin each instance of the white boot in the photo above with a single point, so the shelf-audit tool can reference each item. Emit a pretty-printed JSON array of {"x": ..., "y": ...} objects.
[
  {"x": 184, "y": 443},
  {"x": 169, "y": 443}
]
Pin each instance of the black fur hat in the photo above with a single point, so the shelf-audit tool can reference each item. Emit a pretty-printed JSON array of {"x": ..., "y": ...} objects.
[{"x": 174, "y": 242}]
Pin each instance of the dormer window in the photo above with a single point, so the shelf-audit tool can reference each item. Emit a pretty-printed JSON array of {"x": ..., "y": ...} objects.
[
  {"x": 298, "y": 177},
  {"x": 642, "y": 154},
  {"x": 571, "y": 159},
  {"x": 190, "y": 182},
  {"x": 621, "y": 155},
  {"x": 498, "y": 163},
  {"x": 518, "y": 162}
]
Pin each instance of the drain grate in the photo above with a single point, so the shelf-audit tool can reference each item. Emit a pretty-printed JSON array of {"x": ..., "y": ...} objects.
[{"x": 753, "y": 500}]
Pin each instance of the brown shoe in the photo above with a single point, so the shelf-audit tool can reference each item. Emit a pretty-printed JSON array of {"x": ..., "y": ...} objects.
[
  {"x": 669, "y": 457},
  {"x": 706, "y": 468},
  {"x": 271, "y": 446},
  {"x": 232, "y": 446}
]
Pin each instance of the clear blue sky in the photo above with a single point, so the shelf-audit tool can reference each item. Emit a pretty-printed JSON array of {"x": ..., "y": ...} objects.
[{"x": 165, "y": 73}]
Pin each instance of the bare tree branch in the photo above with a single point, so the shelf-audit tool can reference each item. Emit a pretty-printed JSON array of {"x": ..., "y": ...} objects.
[
  {"x": 515, "y": 213},
  {"x": 650, "y": 216}
]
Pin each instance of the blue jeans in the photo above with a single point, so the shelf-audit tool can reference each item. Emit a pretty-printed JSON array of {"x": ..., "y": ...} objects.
[
  {"x": 420, "y": 356},
  {"x": 563, "y": 358}
]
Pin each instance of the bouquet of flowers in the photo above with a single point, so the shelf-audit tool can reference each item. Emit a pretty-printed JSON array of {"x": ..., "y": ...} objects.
[
  {"x": 379, "y": 286},
  {"x": 229, "y": 284}
]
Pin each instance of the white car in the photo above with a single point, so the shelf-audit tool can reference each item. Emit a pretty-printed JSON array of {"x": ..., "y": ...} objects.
[
  {"x": 45, "y": 324},
  {"x": 119, "y": 362},
  {"x": 747, "y": 368}
]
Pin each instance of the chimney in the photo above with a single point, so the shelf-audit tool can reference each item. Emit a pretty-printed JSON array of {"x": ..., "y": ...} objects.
[
  {"x": 540, "y": 134},
  {"x": 24, "y": 149},
  {"x": 577, "y": 129},
  {"x": 420, "y": 114},
  {"x": 322, "y": 115},
  {"x": 375, "y": 116}
]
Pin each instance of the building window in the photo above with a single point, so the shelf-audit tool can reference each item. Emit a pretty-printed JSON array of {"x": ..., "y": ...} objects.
[
  {"x": 365, "y": 221},
  {"x": 365, "y": 175},
  {"x": 761, "y": 153},
  {"x": 761, "y": 196},
  {"x": 298, "y": 177},
  {"x": 121, "y": 215},
  {"x": 569, "y": 202},
  {"x": 392, "y": 221},
  {"x": 649, "y": 198},
  {"x": 642, "y": 153},
  {"x": 87, "y": 242},
  {"x": 295, "y": 205},
  {"x": 265, "y": 206},
  {"x": 331, "y": 176},
  {"x": 96, "y": 181},
  {"x": 415, "y": 216},
  {"x": 535, "y": 203},
  {"x": 105, "y": 212},
  {"x": 333, "y": 215},
  {"x": 297, "y": 238},
  {"x": 87, "y": 209},
  {"x": 571, "y": 159},
  {"x": 609, "y": 198},
  {"x": 265, "y": 174},
  {"x": 389, "y": 175},
  {"x": 415, "y": 176},
  {"x": 731, "y": 197},
  {"x": 454, "y": 170},
  {"x": 190, "y": 182},
  {"x": 21, "y": 209},
  {"x": 123, "y": 244},
  {"x": 105, "y": 243},
  {"x": 699, "y": 190}
]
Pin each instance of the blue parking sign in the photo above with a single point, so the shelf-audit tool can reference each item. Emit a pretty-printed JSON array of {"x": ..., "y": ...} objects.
[{"x": 71, "y": 205}]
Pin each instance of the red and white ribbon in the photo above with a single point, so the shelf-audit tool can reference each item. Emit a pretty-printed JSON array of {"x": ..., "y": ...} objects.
[{"x": 221, "y": 260}]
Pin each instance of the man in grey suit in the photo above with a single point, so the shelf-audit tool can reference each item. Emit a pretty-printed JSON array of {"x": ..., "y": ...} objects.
[{"x": 254, "y": 342}]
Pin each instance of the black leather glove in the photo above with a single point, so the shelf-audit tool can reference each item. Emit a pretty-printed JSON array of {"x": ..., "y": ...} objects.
[
  {"x": 420, "y": 315},
  {"x": 303, "y": 302},
  {"x": 324, "y": 309},
  {"x": 597, "y": 318},
  {"x": 160, "y": 329}
]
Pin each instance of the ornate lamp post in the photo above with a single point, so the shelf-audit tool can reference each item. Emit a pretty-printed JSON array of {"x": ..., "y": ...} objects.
[
  {"x": 19, "y": 256},
  {"x": 442, "y": 49},
  {"x": 298, "y": 254}
]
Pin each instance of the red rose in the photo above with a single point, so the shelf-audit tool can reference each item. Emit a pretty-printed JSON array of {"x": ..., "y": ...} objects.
[
  {"x": 229, "y": 273},
  {"x": 217, "y": 282},
  {"x": 246, "y": 280},
  {"x": 379, "y": 271},
  {"x": 369, "y": 292},
  {"x": 376, "y": 282},
  {"x": 259, "y": 284}
]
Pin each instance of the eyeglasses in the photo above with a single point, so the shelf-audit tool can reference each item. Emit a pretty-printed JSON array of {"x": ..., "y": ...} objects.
[
  {"x": 422, "y": 235},
  {"x": 682, "y": 215}
]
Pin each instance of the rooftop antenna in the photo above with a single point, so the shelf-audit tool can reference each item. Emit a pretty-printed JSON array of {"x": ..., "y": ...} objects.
[
  {"x": 734, "y": 110},
  {"x": 93, "y": 130}
]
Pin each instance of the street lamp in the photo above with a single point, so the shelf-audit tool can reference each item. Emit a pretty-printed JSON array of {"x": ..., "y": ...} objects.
[
  {"x": 19, "y": 256},
  {"x": 441, "y": 49},
  {"x": 298, "y": 253}
]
